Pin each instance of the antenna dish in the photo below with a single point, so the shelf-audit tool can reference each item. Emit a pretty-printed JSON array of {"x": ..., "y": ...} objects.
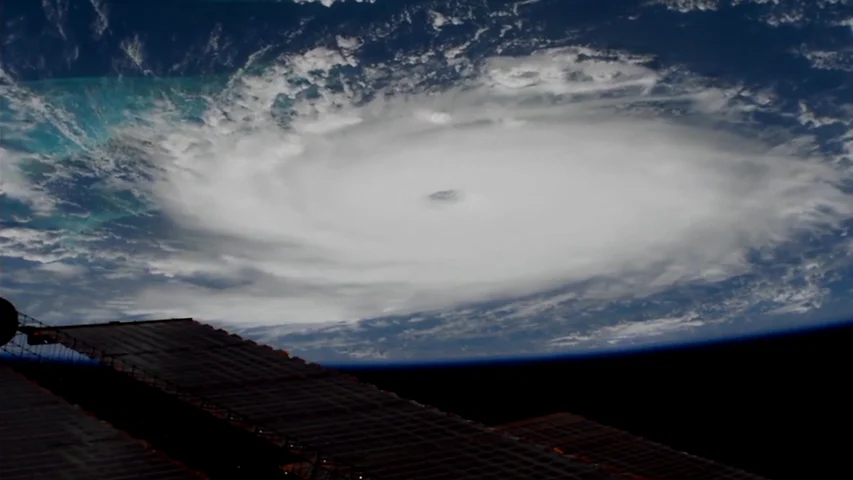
[{"x": 8, "y": 321}]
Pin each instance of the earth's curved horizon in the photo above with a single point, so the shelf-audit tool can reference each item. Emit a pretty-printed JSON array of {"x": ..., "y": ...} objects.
[{"x": 398, "y": 182}]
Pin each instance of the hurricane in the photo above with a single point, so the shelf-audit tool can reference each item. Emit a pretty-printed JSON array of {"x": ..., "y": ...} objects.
[{"x": 472, "y": 179}]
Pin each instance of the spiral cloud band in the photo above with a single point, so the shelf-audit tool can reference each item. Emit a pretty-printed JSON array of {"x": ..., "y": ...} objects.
[{"x": 540, "y": 172}]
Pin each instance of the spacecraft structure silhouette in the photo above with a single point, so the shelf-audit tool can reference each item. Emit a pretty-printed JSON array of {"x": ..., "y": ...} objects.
[{"x": 186, "y": 400}]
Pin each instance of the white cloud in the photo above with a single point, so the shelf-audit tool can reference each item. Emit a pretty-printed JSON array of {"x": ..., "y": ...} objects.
[
  {"x": 14, "y": 184},
  {"x": 630, "y": 331},
  {"x": 63, "y": 269},
  {"x": 33, "y": 245},
  {"x": 329, "y": 3},
  {"x": 685, "y": 6},
  {"x": 542, "y": 171},
  {"x": 326, "y": 3}
]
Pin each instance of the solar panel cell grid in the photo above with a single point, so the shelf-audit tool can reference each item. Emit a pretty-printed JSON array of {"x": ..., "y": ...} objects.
[
  {"x": 237, "y": 363},
  {"x": 347, "y": 420},
  {"x": 402, "y": 420},
  {"x": 298, "y": 400},
  {"x": 41, "y": 436},
  {"x": 576, "y": 435}
]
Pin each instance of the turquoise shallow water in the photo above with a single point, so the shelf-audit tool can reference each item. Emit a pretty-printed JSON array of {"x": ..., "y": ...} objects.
[
  {"x": 75, "y": 127},
  {"x": 81, "y": 113}
]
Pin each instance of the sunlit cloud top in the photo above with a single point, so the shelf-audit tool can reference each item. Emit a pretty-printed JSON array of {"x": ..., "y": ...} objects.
[{"x": 534, "y": 173}]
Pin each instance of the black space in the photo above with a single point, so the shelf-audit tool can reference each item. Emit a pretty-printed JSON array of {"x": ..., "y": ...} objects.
[{"x": 778, "y": 406}]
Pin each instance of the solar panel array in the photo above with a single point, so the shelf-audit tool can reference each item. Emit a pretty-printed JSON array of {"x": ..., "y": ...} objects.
[
  {"x": 592, "y": 442},
  {"x": 42, "y": 436},
  {"x": 388, "y": 437}
]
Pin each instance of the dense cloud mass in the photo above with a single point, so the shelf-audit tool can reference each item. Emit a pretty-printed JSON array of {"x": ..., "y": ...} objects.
[{"x": 537, "y": 172}]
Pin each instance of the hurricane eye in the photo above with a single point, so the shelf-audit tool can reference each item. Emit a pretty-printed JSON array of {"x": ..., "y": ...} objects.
[{"x": 445, "y": 196}]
